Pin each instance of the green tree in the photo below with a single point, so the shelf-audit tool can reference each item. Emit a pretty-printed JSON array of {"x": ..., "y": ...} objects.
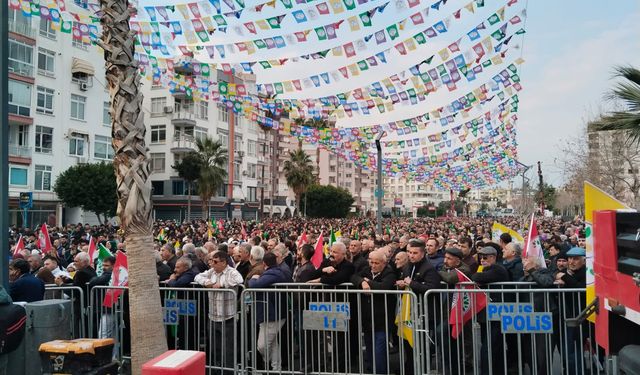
[
  {"x": 90, "y": 186},
  {"x": 319, "y": 196},
  {"x": 627, "y": 92},
  {"x": 212, "y": 173},
  {"x": 445, "y": 206},
  {"x": 298, "y": 171},
  {"x": 189, "y": 169},
  {"x": 549, "y": 194}
]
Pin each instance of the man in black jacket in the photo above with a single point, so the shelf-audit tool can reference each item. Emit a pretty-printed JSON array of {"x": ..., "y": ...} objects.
[
  {"x": 492, "y": 272},
  {"x": 574, "y": 277},
  {"x": 419, "y": 276},
  {"x": 358, "y": 259},
  {"x": 377, "y": 310}
]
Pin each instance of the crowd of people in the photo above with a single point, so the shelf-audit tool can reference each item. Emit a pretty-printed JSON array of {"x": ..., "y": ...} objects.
[{"x": 411, "y": 254}]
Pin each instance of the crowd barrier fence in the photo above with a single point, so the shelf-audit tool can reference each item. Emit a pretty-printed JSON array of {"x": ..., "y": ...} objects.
[{"x": 313, "y": 328}]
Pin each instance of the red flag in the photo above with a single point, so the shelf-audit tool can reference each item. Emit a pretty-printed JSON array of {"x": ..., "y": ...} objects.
[
  {"x": 220, "y": 225},
  {"x": 243, "y": 232},
  {"x": 119, "y": 277},
  {"x": 464, "y": 305},
  {"x": 93, "y": 254},
  {"x": 19, "y": 246},
  {"x": 532, "y": 246},
  {"x": 318, "y": 254},
  {"x": 302, "y": 240},
  {"x": 44, "y": 242}
]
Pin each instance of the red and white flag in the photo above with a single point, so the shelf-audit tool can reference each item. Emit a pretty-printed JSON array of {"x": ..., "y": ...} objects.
[
  {"x": 318, "y": 254},
  {"x": 93, "y": 253},
  {"x": 119, "y": 277},
  {"x": 464, "y": 305},
  {"x": 244, "y": 233},
  {"x": 19, "y": 246},
  {"x": 44, "y": 242},
  {"x": 302, "y": 240},
  {"x": 532, "y": 246}
]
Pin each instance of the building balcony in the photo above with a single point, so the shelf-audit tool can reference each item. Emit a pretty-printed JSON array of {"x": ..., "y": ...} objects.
[
  {"x": 23, "y": 29},
  {"x": 183, "y": 118},
  {"x": 19, "y": 154},
  {"x": 20, "y": 68},
  {"x": 183, "y": 144}
]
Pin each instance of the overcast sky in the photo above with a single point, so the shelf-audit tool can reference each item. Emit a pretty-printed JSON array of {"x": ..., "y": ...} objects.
[{"x": 570, "y": 48}]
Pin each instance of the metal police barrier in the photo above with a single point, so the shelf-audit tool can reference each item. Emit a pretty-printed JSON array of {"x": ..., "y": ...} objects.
[
  {"x": 202, "y": 319},
  {"x": 499, "y": 331},
  {"x": 328, "y": 330},
  {"x": 78, "y": 312}
]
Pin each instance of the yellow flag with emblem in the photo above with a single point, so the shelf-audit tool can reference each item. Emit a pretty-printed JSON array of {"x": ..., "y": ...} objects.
[{"x": 403, "y": 318}]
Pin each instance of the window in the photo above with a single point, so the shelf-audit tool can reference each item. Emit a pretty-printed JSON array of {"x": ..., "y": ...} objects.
[
  {"x": 200, "y": 133},
  {"x": 157, "y": 162},
  {"x": 185, "y": 106},
  {"x": 77, "y": 107},
  {"x": 237, "y": 143},
  {"x": 178, "y": 187},
  {"x": 332, "y": 168},
  {"x": 223, "y": 137},
  {"x": 332, "y": 180},
  {"x": 19, "y": 23},
  {"x": 42, "y": 178},
  {"x": 18, "y": 176},
  {"x": 44, "y": 100},
  {"x": 236, "y": 170},
  {"x": 80, "y": 77},
  {"x": 46, "y": 62},
  {"x": 20, "y": 58},
  {"x": 76, "y": 146},
  {"x": 157, "y": 187},
  {"x": 19, "y": 98},
  {"x": 252, "y": 170},
  {"x": 222, "y": 191},
  {"x": 252, "y": 194},
  {"x": 46, "y": 29},
  {"x": 157, "y": 105},
  {"x": 106, "y": 116},
  {"x": 251, "y": 148},
  {"x": 102, "y": 148},
  {"x": 44, "y": 139},
  {"x": 158, "y": 133},
  {"x": 19, "y": 136},
  {"x": 202, "y": 110},
  {"x": 80, "y": 43},
  {"x": 223, "y": 113}
]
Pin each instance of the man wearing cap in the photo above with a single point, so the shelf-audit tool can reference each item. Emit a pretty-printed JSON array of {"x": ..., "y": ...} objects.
[
  {"x": 452, "y": 261},
  {"x": 574, "y": 277},
  {"x": 492, "y": 272}
]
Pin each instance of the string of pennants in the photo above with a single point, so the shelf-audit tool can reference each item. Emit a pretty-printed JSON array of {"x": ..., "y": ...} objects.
[{"x": 479, "y": 151}]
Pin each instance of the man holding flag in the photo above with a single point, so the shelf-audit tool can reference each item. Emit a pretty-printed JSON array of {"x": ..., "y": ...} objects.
[{"x": 418, "y": 276}]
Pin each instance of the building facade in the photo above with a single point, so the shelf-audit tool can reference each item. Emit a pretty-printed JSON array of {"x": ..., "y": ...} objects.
[{"x": 58, "y": 114}]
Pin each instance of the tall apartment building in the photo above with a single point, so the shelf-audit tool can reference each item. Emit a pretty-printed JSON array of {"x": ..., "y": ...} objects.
[
  {"x": 58, "y": 114},
  {"x": 174, "y": 122},
  {"x": 613, "y": 161}
]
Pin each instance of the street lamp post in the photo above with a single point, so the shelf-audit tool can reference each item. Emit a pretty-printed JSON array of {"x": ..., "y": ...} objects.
[
  {"x": 524, "y": 172},
  {"x": 379, "y": 192}
]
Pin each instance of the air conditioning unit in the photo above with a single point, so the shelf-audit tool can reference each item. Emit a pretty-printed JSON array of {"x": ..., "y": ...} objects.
[
  {"x": 240, "y": 154},
  {"x": 168, "y": 109},
  {"x": 84, "y": 86},
  {"x": 245, "y": 174}
]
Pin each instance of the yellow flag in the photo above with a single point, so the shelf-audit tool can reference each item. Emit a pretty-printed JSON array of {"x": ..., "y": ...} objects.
[
  {"x": 595, "y": 200},
  {"x": 403, "y": 319},
  {"x": 497, "y": 229}
]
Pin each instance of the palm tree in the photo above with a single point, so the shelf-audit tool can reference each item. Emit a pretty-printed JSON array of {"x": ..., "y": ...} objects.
[
  {"x": 131, "y": 164},
  {"x": 298, "y": 171},
  {"x": 189, "y": 169},
  {"x": 212, "y": 174},
  {"x": 628, "y": 92}
]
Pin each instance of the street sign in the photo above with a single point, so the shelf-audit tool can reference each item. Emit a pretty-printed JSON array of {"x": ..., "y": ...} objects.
[
  {"x": 520, "y": 318},
  {"x": 326, "y": 316},
  {"x": 26, "y": 200}
]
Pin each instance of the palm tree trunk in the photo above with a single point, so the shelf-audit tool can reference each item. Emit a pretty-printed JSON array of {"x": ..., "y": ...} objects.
[{"x": 132, "y": 172}]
